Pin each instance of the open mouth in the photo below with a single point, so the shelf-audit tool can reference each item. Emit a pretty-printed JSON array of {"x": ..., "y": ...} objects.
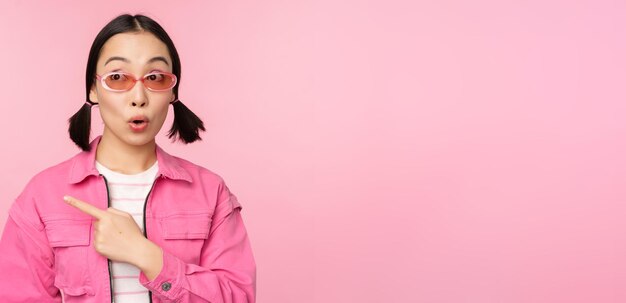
[
  {"x": 138, "y": 119},
  {"x": 138, "y": 123}
]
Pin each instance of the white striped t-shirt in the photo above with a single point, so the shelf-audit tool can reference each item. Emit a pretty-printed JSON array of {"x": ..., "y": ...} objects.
[{"x": 128, "y": 193}]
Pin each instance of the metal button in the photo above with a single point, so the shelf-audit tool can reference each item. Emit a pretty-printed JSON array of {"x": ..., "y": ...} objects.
[{"x": 166, "y": 286}]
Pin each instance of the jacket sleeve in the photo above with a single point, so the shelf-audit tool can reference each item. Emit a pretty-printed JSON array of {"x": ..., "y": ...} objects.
[
  {"x": 26, "y": 258},
  {"x": 227, "y": 270}
]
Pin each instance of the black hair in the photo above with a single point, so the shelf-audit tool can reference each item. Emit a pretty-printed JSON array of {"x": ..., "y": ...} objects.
[{"x": 186, "y": 124}]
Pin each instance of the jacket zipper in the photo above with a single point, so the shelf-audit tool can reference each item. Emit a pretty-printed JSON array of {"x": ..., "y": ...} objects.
[
  {"x": 108, "y": 261},
  {"x": 145, "y": 228}
]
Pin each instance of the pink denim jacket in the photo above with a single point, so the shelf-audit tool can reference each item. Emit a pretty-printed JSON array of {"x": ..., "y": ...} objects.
[{"x": 46, "y": 250}]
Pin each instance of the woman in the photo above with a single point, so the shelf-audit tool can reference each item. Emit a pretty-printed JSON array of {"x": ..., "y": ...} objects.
[{"x": 123, "y": 221}]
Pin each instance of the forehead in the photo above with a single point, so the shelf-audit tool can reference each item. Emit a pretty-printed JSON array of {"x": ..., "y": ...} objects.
[{"x": 137, "y": 47}]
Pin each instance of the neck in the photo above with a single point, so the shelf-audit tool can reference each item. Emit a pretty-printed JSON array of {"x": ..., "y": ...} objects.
[{"x": 124, "y": 158}]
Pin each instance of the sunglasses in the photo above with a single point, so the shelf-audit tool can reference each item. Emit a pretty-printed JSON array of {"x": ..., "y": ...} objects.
[{"x": 121, "y": 82}]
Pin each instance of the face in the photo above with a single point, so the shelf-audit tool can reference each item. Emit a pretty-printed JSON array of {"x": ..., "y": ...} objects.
[{"x": 137, "y": 54}]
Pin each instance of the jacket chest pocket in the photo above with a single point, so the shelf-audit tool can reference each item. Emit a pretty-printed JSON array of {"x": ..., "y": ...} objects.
[
  {"x": 185, "y": 233},
  {"x": 69, "y": 239}
]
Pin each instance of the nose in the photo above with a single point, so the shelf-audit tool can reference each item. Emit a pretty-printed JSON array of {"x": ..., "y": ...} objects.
[{"x": 139, "y": 95}]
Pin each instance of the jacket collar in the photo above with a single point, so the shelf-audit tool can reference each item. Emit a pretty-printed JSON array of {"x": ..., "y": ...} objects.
[{"x": 84, "y": 164}]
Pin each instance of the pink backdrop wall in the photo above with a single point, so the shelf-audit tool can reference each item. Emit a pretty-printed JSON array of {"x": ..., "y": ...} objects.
[{"x": 384, "y": 151}]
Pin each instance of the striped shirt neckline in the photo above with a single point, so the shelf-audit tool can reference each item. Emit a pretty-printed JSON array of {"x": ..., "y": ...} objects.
[{"x": 106, "y": 171}]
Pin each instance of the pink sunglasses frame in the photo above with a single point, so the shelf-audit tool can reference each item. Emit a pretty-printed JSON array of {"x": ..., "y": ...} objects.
[{"x": 132, "y": 77}]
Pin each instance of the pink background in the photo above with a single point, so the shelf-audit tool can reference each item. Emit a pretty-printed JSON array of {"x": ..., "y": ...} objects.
[{"x": 384, "y": 151}]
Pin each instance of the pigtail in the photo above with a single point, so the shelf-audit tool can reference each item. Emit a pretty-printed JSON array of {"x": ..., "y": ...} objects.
[
  {"x": 80, "y": 126},
  {"x": 186, "y": 124}
]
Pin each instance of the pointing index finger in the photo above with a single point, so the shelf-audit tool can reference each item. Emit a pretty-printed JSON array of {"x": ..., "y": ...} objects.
[{"x": 85, "y": 207}]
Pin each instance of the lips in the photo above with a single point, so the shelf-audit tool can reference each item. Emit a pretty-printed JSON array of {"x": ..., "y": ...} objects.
[
  {"x": 138, "y": 123},
  {"x": 138, "y": 119}
]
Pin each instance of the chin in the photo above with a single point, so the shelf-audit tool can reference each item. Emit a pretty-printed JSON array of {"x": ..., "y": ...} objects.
[
  {"x": 126, "y": 136},
  {"x": 139, "y": 140}
]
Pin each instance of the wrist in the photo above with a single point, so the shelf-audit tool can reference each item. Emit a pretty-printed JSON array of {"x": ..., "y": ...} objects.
[{"x": 149, "y": 258}]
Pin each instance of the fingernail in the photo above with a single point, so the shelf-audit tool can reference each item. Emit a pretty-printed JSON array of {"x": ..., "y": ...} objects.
[{"x": 66, "y": 198}]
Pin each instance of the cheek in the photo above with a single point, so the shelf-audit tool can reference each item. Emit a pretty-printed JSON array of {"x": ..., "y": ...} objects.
[
  {"x": 162, "y": 114},
  {"x": 109, "y": 110},
  {"x": 159, "y": 117}
]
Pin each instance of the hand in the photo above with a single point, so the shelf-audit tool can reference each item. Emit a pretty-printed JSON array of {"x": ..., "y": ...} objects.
[{"x": 117, "y": 236}]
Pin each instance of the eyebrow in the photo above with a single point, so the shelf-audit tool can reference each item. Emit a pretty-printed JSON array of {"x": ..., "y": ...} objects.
[{"x": 159, "y": 58}]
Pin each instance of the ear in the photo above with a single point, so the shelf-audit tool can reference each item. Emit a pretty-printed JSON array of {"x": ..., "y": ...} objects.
[{"x": 93, "y": 94}]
